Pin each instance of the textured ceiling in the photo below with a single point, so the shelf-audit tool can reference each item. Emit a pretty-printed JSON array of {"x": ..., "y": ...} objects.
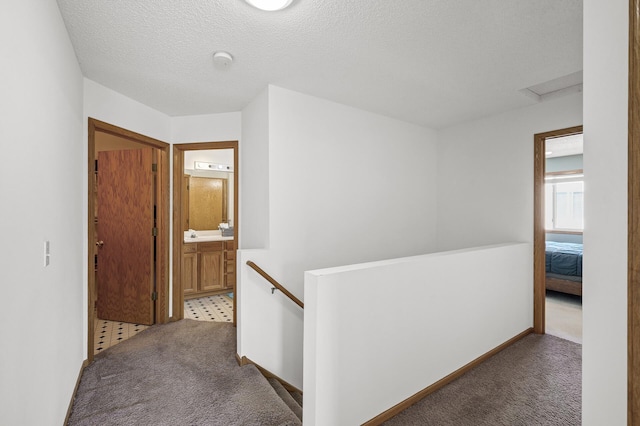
[{"x": 430, "y": 62}]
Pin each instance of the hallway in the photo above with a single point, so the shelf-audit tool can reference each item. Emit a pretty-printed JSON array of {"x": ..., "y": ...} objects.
[{"x": 218, "y": 308}]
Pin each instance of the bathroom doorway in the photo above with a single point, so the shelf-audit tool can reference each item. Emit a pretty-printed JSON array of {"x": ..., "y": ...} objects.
[{"x": 205, "y": 229}]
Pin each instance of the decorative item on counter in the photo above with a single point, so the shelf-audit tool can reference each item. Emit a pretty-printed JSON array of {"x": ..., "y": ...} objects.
[
  {"x": 192, "y": 233},
  {"x": 226, "y": 230}
]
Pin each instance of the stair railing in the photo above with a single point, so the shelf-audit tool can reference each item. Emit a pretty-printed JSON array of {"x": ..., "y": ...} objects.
[{"x": 276, "y": 284}]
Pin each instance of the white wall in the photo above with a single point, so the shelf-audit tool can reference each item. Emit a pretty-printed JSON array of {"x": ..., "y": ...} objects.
[
  {"x": 217, "y": 156},
  {"x": 270, "y": 326},
  {"x": 206, "y": 128},
  {"x": 604, "y": 378},
  {"x": 359, "y": 364},
  {"x": 485, "y": 173},
  {"x": 111, "y": 107},
  {"x": 40, "y": 124},
  {"x": 254, "y": 174},
  {"x": 344, "y": 186}
]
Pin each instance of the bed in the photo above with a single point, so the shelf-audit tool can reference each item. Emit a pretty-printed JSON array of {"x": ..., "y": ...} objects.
[{"x": 564, "y": 267}]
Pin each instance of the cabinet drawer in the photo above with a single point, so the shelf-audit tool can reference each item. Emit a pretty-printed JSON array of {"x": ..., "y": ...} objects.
[
  {"x": 189, "y": 247},
  {"x": 211, "y": 246}
]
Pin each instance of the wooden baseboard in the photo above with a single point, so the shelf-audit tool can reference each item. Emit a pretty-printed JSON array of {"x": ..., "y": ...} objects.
[
  {"x": 75, "y": 390},
  {"x": 266, "y": 373},
  {"x": 207, "y": 293},
  {"x": 398, "y": 408},
  {"x": 241, "y": 360}
]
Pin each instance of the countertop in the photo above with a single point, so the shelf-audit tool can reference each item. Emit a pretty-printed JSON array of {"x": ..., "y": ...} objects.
[{"x": 204, "y": 236}]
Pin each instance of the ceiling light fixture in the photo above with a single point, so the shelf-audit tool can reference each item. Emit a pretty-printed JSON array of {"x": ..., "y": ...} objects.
[{"x": 269, "y": 5}]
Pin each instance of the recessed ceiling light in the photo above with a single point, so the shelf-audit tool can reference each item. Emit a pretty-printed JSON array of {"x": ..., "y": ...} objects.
[{"x": 269, "y": 5}]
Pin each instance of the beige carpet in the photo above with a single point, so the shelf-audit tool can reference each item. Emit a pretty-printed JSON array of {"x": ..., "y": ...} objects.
[
  {"x": 182, "y": 373},
  {"x": 536, "y": 381}
]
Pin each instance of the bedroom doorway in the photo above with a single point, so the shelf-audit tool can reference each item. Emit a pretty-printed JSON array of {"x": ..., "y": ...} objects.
[{"x": 558, "y": 224}]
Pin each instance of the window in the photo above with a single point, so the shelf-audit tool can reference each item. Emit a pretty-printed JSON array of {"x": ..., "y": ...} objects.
[{"x": 564, "y": 202}]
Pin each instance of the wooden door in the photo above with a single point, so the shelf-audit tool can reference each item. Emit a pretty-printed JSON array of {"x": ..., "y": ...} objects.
[
  {"x": 125, "y": 281},
  {"x": 206, "y": 201}
]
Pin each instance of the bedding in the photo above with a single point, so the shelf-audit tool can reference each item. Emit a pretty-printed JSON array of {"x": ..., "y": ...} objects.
[{"x": 564, "y": 259}]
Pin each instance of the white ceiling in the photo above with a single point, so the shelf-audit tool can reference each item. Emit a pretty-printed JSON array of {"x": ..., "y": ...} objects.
[{"x": 430, "y": 62}]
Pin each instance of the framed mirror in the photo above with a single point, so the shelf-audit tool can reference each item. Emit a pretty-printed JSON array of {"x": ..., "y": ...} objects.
[{"x": 207, "y": 189}]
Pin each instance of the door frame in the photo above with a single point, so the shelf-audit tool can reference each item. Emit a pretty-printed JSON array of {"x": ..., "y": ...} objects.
[
  {"x": 633, "y": 206},
  {"x": 162, "y": 220},
  {"x": 539, "y": 236},
  {"x": 178, "y": 234}
]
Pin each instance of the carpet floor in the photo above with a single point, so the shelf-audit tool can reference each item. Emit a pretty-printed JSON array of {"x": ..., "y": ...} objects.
[
  {"x": 536, "y": 381},
  {"x": 182, "y": 373}
]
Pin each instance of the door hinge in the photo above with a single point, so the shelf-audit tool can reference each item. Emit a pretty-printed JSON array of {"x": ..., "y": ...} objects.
[
  {"x": 154, "y": 296},
  {"x": 154, "y": 167},
  {"x": 96, "y": 167},
  {"x": 154, "y": 232}
]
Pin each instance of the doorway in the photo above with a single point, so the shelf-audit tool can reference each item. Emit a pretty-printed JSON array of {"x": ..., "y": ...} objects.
[
  {"x": 557, "y": 208},
  {"x": 205, "y": 177},
  {"x": 128, "y": 248}
]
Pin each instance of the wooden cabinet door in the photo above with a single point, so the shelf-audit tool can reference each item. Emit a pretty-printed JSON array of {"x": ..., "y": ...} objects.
[
  {"x": 210, "y": 266},
  {"x": 190, "y": 272}
]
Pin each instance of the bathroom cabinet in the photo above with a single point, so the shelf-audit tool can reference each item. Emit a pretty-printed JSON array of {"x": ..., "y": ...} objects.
[
  {"x": 189, "y": 269},
  {"x": 207, "y": 268},
  {"x": 229, "y": 264}
]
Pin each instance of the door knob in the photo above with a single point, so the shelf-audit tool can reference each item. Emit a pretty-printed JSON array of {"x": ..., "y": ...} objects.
[{"x": 100, "y": 243}]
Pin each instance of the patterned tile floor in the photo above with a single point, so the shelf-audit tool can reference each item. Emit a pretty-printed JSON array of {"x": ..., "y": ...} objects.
[
  {"x": 210, "y": 308},
  {"x": 109, "y": 333}
]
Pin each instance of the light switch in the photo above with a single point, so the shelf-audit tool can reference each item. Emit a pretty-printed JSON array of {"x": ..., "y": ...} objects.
[{"x": 47, "y": 253}]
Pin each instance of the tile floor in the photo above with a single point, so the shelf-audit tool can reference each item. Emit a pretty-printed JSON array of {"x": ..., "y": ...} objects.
[
  {"x": 109, "y": 333},
  {"x": 210, "y": 308}
]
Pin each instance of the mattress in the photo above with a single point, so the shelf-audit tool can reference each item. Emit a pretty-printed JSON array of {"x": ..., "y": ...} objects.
[{"x": 563, "y": 258}]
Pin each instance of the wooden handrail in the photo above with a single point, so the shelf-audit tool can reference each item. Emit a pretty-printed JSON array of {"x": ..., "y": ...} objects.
[{"x": 275, "y": 283}]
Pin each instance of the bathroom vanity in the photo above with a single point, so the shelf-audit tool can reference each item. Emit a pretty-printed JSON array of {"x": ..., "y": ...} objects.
[{"x": 208, "y": 265}]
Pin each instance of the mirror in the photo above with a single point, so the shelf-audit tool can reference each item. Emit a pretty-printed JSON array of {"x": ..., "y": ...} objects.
[{"x": 207, "y": 189}]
